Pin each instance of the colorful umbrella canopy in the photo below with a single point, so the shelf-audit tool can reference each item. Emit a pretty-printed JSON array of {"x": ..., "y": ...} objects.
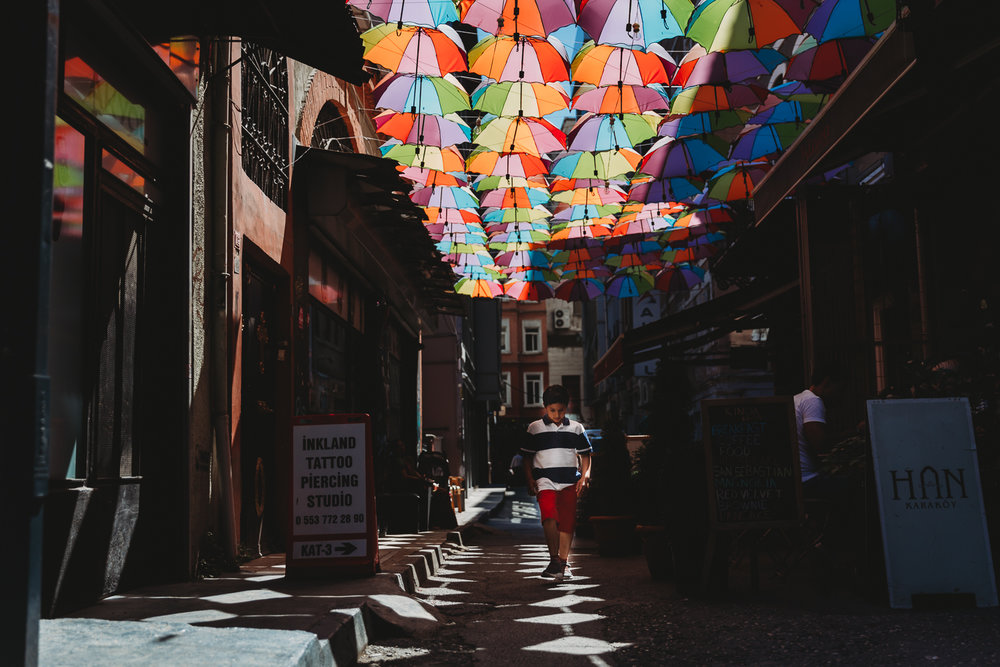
[
  {"x": 666, "y": 189},
  {"x": 498, "y": 182},
  {"x": 724, "y": 124},
  {"x": 726, "y": 67},
  {"x": 704, "y": 216},
  {"x": 415, "y": 50},
  {"x": 736, "y": 182},
  {"x": 419, "y": 128},
  {"x": 783, "y": 111},
  {"x": 437, "y": 215},
  {"x": 519, "y": 98},
  {"x": 485, "y": 288},
  {"x": 606, "y": 65},
  {"x": 579, "y": 287},
  {"x": 532, "y": 238},
  {"x": 485, "y": 161},
  {"x": 717, "y": 98},
  {"x": 763, "y": 140},
  {"x": 430, "y": 177},
  {"x": 827, "y": 60},
  {"x": 427, "y": 157},
  {"x": 418, "y": 94},
  {"x": 426, "y": 13},
  {"x": 598, "y": 132},
  {"x": 519, "y": 17},
  {"x": 629, "y": 282},
  {"x": 529, "y": 288},
  {"x": 506, "y": 58},
  {"x": 721, "y": 25},
  {"x": 621, "y": 99},
  {"x": 679, "y": 277},
  {"x": 586, "y": 211},
  {"x": 836, "y": 19},
  {"x": 534, "y": 136},
  {"x": 560, "y": 184},
  {"x": 515, "y": 197},
  {"x": 445, "y": 197},
  {"x": 599, "y": 164},
  {"x": 591, "y": 195},
  {"x": 687, "y": 158},
  {"x": 515, "y": 215},
  {"x": 634, "y": 23}
]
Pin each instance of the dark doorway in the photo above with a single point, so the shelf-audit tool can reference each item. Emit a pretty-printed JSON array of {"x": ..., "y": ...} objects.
[{"x": 259, "y": 521}]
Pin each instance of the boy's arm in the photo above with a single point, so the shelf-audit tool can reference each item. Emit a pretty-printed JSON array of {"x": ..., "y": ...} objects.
[
  {"x": 527, "y": 460},
  {"x": 584, "y": 480}
]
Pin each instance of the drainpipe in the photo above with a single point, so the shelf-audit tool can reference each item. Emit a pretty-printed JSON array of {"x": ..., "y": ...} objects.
[{"x": 221, "y": 130}]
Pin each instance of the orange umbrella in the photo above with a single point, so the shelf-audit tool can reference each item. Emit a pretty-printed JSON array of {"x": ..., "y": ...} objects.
[
  {"x": 606, "y": 65},
  {"x": 415, "y": 50},
  {"x": 518, "y": 59},
  {"x": 519, "y": 17},
  {"x": 619, "y": 99},
  {"x": 521, "y": 135},
  {"x": 505, "y": 164}
]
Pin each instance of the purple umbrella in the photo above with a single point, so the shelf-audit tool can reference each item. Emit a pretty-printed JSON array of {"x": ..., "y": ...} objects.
[
  {"x": 725, "y": 67},
  {"x": 671, "y": 157}
]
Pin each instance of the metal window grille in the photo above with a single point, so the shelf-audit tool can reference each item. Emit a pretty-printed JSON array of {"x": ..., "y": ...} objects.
[{"x": 265, "y": 121}]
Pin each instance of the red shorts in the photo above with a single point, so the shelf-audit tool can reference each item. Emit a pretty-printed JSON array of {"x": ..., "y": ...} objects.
[{"x": 559, "y": 505}]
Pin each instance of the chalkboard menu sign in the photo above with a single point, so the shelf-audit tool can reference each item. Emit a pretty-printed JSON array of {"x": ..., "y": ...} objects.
[{"x": 752, "y": 461}]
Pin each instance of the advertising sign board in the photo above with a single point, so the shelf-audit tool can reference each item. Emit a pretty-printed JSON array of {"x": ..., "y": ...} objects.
[
  {"x": 933, "y": 521},
  {"x": 332, "y": 524}
]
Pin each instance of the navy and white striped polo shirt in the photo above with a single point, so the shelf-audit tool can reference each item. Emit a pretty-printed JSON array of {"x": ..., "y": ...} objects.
[{"x": 555, "y": 448}]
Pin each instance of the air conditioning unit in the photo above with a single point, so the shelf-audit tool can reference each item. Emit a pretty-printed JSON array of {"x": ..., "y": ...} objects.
[{"x": 560, "y": 319}]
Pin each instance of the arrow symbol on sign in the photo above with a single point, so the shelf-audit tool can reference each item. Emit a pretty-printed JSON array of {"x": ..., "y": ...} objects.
[{"x": 347, "y": 548}]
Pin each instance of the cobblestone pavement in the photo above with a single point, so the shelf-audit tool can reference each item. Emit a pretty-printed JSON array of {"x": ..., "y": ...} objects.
[{"x": 614, "y": 613}]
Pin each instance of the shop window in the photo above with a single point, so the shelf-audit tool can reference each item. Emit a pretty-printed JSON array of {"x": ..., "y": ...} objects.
[
  {"x": 265, "y": 121},
  {"x": 105, "y": 102},
  {"x": 531, "y": 336},
  {"x": 533, "y": 390}
]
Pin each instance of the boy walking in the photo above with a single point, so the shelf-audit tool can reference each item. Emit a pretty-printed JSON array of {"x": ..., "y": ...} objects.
[{"x": 557, "y": 467}]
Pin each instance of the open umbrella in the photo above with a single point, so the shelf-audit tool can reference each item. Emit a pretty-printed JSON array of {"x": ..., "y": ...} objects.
[
  {"x": 431, "y": 177},
  {"x": 679, "y": 277},
  {"x": 634, "y": 23},
  {"x": 758, "y": 141},
  {"x": 519, "y": 98},
  {"x": 619, "y": 99},
  {"x": 485, "y": 161},
  {"x": 720, "y": 123},
  {"x": 836, "y": 19},
  {"x": 725, "y": 67},
  {"x": 515, "y": 215},
  {"x": 717, "y": 98},
  {"x": 676, "y": 189},
  {"x": 704, "y": 216},
  {"x": 599, "y": 164},
  {"x": 419, "y": 128},
  {"x": 579, "y": 286},
  {"x": 530, "y": 238},
  {"x": 632, "y": 253},
  {"x": 419, "y": 94},
  {"x": 828, "y": 60},
  {"x": 629, "y": 282},
  {"x": 737, "y": 182},
  {"x": 519, "y": 17},
  {"x": 437, "y": 215},
  {"x": 445, "y": 197},
  {"x": 721, "y": 25},
  {"x": 426, "y": 13},
  {"x": 521, "y": 135},
  {"x": 415, "y": 50},
  {"x": 599, "y": 132},
  {"x": 586, "y": 211},
  {"x": 606, "y": 65},
  {"x": 669, "y": 158},
  {"x": 518, "y": 59},
  {"x": 515, "y": 197},
  {"x": 577, "y": 234},
  {"x": 591, "y": 195},
  {"x": 783, "y": 111},
  {"x": 528, "y": 286},
  {"x": 427, "y": 157},
  {"x": 485, "y": 288},
  {"x": 499, "y": 182},
  {"x": 560, "y": 184}
]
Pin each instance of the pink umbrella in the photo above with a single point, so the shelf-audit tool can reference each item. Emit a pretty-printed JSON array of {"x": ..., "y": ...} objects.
[{"x": 519, "y": 17}]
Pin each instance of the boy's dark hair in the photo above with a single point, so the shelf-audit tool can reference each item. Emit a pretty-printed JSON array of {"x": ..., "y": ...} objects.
[
  {"x": 825, "y": 371},
  {"x": 555, "y": 394}
]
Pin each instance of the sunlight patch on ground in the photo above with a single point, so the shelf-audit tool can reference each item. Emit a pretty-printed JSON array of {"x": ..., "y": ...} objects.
[
  {"x": 441, "y": 591},
  {"x": 576, "y": 646},
  {"x": 404, "y": 606},
  {"x": 565, "y": 618},
  {"x": 376, "y": 654},
  {"x": 566, "y": 601},
  {"x": 199, "y": 616},
  {"x": 573, "y": 587},
  {"x": 245, "y": 596}
]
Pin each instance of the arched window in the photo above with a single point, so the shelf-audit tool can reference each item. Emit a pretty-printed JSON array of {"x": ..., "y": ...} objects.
[{"x": 331, "y": 132}]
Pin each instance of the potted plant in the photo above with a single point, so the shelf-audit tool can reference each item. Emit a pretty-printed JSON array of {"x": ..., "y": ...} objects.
[{"x": 610, "y": 500}]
